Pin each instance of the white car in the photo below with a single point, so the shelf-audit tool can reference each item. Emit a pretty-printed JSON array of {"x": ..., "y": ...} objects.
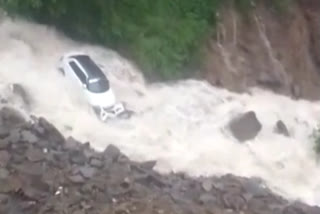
[{"x": 83, "y": 71}]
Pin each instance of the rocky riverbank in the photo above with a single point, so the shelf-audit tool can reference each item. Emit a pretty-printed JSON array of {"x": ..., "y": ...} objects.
[{"x": 42, "y": 172}]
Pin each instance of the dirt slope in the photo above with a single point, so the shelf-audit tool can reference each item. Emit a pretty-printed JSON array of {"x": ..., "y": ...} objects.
[{"x": 280, "y": 52}]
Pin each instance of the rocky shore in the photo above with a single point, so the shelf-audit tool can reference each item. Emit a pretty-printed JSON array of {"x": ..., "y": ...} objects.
[{"x": 41, "y": 172}]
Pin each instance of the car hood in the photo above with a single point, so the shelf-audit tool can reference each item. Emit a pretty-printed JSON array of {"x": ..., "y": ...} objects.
[{"x": 104, "y": 100}]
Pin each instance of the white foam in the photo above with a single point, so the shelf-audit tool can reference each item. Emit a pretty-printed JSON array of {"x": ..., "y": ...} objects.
[{"x": 182, "y": 125}]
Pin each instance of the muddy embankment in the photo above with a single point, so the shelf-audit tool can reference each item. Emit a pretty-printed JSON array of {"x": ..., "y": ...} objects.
[
  {"x": 42, "y": 172},
  {"x": 277, "y": 51}
]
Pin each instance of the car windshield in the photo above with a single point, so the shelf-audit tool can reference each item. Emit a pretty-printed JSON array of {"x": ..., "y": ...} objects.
[{"x": 98, "y": 85}]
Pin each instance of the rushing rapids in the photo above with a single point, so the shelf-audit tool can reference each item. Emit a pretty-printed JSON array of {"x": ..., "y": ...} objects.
[{"x": 182, "y": 125}]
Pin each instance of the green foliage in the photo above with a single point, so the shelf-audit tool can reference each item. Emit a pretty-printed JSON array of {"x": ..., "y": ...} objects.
[
  {"x": 163, "y": 36},
  {"x": 316, "y": 139}
]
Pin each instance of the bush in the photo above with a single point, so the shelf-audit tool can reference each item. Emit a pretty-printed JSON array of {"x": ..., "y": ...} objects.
[{"x": 316, "y": 139}]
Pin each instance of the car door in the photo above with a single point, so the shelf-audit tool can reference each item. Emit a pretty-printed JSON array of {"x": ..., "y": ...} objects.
[{"x": 77, "y": 74}]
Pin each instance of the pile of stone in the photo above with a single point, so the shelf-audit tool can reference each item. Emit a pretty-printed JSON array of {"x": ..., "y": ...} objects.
[{"x": 41, "y": 172}]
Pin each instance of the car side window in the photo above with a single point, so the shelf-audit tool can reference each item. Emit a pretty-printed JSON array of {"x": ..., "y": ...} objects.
[{"x": 78, "y": 71}]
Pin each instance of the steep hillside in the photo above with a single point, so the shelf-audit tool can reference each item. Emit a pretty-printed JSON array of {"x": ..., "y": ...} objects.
[{"x": 271, "y": 49}]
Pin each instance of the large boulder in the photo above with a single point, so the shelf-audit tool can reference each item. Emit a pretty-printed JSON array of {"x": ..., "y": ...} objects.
[
  {"x": 281, "y": 128},
  {"x": 11, "y": 118},
  {"x": 245, "y": 126}
]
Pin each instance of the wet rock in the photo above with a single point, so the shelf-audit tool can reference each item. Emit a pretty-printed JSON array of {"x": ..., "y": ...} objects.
[
  {"x": 29, "y": 137},
  {"x": 245, "y": 127},
  {"x": 281, "y": 128}
]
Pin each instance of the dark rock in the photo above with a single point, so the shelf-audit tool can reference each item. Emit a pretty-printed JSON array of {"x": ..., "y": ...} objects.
[
  {"x": 30, "y": 169},
  {"x": 54, "y": 176},
  {"x": 11, "y": 118},
  {"x": 207, "y": 185},
  {"x": 76, "y": 178},
  {"x": 77, "y": 157},
  {"x": 208, "y": 199},
  {"x": 148, "y": 165},
  {"x": 71, "y": 143},
  {"x": 4, "y": 158},
  {"x": 4, "y": 132},
  {"x": 4, "y": 173},
  {"x": 17, "y": 158},
  {"x": 234, "y": 201},
  {"x": 112, "y": 152},
  {"x": 80, "y": 212},
  {"x": 39, "y": 129},
  {"x": 10, "y": 184},
  {"x": 4, "y": 143},
  {"x": 245, "y": 127},
  {"x": 53, "y": 133},
  {"x": 281, "y": 128},
  {"x": 3, "y": 197},
  {"x": 298, "y": 207},
  {"x": 35, "y": 155},
  {"x": 95, "y": 162},
  {"x": 3, "y": 101},
  {"x": 29, "y": 137},
  {"x": 14, "y": 136},
  {"x": 87, "y": 172},
  {"x": 253, "y": 188}
]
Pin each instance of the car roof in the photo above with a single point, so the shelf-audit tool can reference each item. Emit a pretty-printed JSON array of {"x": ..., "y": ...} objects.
[{"x": 92, "y": 70}]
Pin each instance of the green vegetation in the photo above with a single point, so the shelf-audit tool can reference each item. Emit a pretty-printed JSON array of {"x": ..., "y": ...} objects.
[
  {"x": 316, "y": 139},
  {"x": 162, "y": 36}
]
